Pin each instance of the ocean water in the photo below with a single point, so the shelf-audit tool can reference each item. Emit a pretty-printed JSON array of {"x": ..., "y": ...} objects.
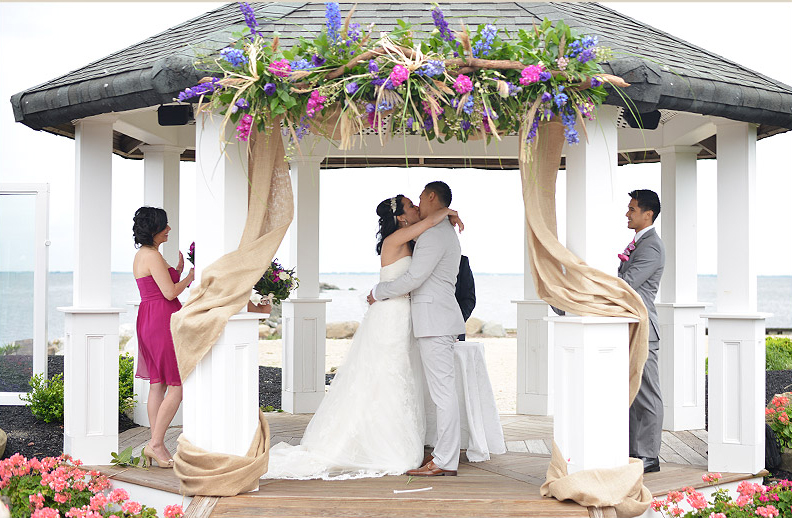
[{"x": 494, "y": 293}]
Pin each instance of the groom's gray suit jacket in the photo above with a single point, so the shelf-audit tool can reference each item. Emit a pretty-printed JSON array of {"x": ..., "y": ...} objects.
[
  {"x": 642, "y": 271},
  {"x": 431, "y": 281}
]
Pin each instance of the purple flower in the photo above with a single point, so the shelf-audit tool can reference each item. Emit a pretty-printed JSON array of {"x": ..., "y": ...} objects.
[
  {"x": 317, "y": 60},
  {"x": 514, "y": 89},
  {"x": 546, "y": 97},
  {"x": 354, "y": 32},
  {"x": 596, "y": 81},
  {"x": 333, "y": 20},
  {"x": 270, "y": 88},
  {"x": 560, "y": 99},
  {"x": 242, "y": 103},
  {"x": 373, "y": 68},
  {"x": 465, "y": 125},
  {"x": 441, "y": 24},
  {"x": 431, "y": 68},
  {"x": 200, "y": 89},
  {"x": 301, "y": 64},
  {"x": 428, "y": 124},
  {"x": 369, "y": 108},
  {"x": 378, "y": 81},
  {"x": 250, "y": 19},
  {"x": 571, "y": 135},
  {"x": 545, "y": 76},
  {"x": 352, "y": 87},
  {"x": 409, "y": 123}
]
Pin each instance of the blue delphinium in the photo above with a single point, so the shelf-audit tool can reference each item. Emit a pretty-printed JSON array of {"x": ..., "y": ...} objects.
[
  {"x": 301, "y": 64},
  {"x": 532, "y": 132},
  {"x": 514, "y": 89},
  {"x": 353, "y": 33},
  {"x": 582, "y": 49},
  {"x": 373, "y": 68},
  {"x": 560, "y": 97},
  {"x": 234, "y": 56},
  {"x": 384, "y": 106},
  {"x": 484, "y": 45},
  {"x": 250, "y": 19},
  {"x": 568, "y": 117},
  {"x": 333, "y": 20},
  {"x": 200, "y": 89},
  {"x": 431, "y": 68},
  {"x": 469, "y": 105}
]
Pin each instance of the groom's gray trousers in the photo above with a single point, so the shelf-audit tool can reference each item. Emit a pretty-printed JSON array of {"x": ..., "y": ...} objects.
[
  {"x": 646, "y": 412},
  {"x": 437, "y": 357}
]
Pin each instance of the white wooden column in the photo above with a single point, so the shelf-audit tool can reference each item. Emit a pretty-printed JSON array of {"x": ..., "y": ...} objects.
[
  {"x": 736, "y": 331},
  {"x": 682, "y": 342},
  {"x": 591, "y": 364},
  {"x": 304, "y": 313},
  {"x": 221, "y": 395},
  {"x": 161, "y": 189},
  {"x": 592, "y": 226},
  {"x": 91, "y": 348},
  {"x": 534, "y": 354}
]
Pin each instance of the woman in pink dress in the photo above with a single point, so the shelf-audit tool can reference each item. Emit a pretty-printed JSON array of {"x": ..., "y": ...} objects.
[{"x": 159, "y": 286}]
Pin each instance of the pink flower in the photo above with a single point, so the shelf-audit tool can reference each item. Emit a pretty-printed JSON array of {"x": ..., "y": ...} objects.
[
  {"x": 399, "y": 75},
  {"x": 118, "y": 495},
  {"x": 675, "y": 496},
  {"x": 742, "y": 500},
  {"x": 656, "y": 505},
  {"x": 711, "y": 477},
  {"x": 463, "y": 84},
  {"x": 37, "y": 500},
  {"x": 767, "y": 512},
  {"x": 315, "y": 103},
  {"x": 717, "y": 515},
  {"x": 280, "y": 68},
  {"x": 697, "y": 500},
  {"x": 131, "y": 507},
  {"x": 562, "y": 63},
  {"x": 61, "y": 498},
  {"x": 676, "y": 511},
  {"x": 98, "y": 501},
  {"x": 244, "y": 127},
  {"x": 530, "y": 74},
  {"x": 173, "y": 511},
  {"x": 46, "y": 512}
]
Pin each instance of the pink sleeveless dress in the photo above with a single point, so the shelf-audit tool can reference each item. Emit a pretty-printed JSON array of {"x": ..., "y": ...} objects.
[{"x": 156, "y": 356}]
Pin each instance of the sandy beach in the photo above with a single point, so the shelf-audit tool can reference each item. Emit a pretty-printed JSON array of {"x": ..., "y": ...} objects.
[{"x": 501, "y": 357}]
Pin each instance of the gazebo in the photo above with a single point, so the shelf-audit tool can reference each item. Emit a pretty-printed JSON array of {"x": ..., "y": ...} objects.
[{"x": 693, "y": 105}]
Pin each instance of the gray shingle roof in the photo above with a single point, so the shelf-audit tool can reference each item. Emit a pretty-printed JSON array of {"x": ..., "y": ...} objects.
[{"x": 670, "y": 74}]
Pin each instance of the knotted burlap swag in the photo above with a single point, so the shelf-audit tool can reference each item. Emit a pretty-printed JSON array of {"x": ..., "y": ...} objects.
[{"x": 560, "y": 277}]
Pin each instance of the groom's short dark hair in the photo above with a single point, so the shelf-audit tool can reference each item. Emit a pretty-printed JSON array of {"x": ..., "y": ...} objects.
[
  {"x": 647, "y": 200},
  {"x": 442, "y": 190}
]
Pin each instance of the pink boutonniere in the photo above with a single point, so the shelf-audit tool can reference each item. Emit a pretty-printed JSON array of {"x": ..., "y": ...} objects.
[{"x": 627, "y": 251}]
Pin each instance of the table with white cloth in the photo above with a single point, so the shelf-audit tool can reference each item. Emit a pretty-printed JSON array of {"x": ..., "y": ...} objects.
[{"x": 478, "y": 414}]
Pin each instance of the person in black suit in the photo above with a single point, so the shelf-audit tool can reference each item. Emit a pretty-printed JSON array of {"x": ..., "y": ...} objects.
[{"x": 465, "y": 290}]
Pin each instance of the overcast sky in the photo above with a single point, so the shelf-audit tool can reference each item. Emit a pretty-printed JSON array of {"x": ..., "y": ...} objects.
[{"x": 40, "y": 41}]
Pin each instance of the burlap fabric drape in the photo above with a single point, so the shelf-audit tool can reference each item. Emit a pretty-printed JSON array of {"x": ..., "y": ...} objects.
[
  {"x": 223, "y": 291},
  {"x": 566, "y": 282}
]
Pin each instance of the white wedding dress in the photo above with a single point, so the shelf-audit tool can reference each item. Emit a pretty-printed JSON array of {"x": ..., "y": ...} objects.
[{"x": 371, "y": 422}]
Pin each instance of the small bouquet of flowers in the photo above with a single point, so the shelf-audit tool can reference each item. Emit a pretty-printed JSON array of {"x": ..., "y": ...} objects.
[
  {"x": 274, "y": 286},
  {"x": 191, "y": 253}
]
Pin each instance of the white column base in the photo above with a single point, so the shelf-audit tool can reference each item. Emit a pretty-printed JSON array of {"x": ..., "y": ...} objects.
[
  {"x": 736, "y": 392},
  {"x": 221, "y": 395},
  {"x": 90, "y": 395},
  {"x": 591, "y": 391},
  {"x": 304, "y": 331},
  {"x": 682, "y": 354},
  {"x": 534, "y": 358}
]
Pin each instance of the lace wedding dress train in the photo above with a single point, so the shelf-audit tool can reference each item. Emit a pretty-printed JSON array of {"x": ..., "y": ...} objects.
[{"x": 371, "y": 421}]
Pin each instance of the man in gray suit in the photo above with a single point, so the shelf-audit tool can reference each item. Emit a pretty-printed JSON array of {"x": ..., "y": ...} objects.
[
  {"x": 641, "y": 267},
  {"x": 437, "y": 321}
]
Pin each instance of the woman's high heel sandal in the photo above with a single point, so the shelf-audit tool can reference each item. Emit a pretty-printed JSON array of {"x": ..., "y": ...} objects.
[{"x": 149, "y": 454}]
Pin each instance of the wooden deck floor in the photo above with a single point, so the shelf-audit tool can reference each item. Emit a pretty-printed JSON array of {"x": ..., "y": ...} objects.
[{"x": 507, "y": 485}]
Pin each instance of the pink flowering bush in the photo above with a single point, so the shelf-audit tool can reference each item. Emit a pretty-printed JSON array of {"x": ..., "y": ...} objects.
[
  {"x": 778, "y": 415},
  {"x": 56, "y": 487},
  {"x": 754, "y": 500}
]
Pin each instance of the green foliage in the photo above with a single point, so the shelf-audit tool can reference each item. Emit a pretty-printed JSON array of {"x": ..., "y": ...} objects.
[
  {"x": 778, "y": 355},
  {"x": 45, "y": 398},
  {"x": 9, "y": 348},
  {"x": 126, "y": 381},
  {"x": 270, "y": 408},
  {"x": 125, "y": 458}
]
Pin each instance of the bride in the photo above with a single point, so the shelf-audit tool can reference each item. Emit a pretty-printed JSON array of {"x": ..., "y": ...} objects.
[{"x": 371, "y": 422}]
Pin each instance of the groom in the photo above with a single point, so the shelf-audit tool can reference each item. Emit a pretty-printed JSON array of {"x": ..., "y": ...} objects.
[{"x": 437, "y": 321}]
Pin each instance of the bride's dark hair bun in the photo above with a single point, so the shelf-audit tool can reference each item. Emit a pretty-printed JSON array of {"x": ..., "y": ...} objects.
[
  {"x": 148, "y": 222},
  {"x": 387, "y": 219}
]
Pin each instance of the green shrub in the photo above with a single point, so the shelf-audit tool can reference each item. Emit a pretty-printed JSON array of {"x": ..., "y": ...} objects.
[
  {"x": 778, "y": 353},
  {"x": 9, "y": 348},
  {"x": 126, "y": 383},
  {"x": 45, "y": 398}
]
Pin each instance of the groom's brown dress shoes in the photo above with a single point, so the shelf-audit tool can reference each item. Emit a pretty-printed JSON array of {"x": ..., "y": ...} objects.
[{"x": 430, "y": 469}]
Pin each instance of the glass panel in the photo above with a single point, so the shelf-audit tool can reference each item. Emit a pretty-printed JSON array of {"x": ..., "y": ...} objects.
[{"x": 17, "y": 263}]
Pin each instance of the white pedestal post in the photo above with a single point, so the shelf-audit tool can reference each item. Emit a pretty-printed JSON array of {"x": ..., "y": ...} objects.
[
  {"x": 534, "y": 358},
  {"x": 681, "y": 361},
  {"x": 91, "y": 348},
  {"x": 304, "y": 313},
  {"x": 682, "y": 342},
  {"x": 736, "y": 331},
  {"x": 736, "y": 392},
  {"x": 221, "y": 395},
  {"x": 591, "y": 418}
]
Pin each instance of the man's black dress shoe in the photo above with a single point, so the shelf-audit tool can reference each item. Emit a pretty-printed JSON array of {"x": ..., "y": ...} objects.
[{"x": 651, "y": 464}]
